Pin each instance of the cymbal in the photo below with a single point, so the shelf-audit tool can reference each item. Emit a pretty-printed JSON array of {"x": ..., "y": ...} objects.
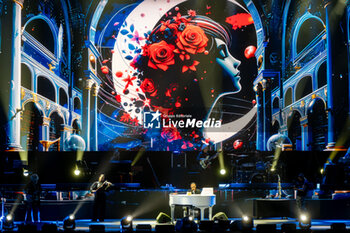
[
  {"x": 241, "y": 156},
  {"x": 248, "y": 165}
]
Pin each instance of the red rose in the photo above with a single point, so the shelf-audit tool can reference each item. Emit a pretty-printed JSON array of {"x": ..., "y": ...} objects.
[
  {"x": 193, "y": 39},
  {"x": 170, "y": 134},
  {"x": 147, "y": 86},
  {"x": 161, "y": 55}
]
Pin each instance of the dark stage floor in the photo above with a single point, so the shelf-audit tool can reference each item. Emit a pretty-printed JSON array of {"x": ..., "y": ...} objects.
[{"x": 113, "y": 225}]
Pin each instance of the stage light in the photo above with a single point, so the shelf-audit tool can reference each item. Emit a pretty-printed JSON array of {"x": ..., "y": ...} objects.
[
  {"x": 126, "y": 224},
  {"x": 245, "y": 218},
  {"x": 69, "y": 222},
  {"x": 223, "y": 171},
  {"x": 25, "y": 172},
  {"x": 190, "y": 218},
  {"x": 321, "y": 171},
  {"x": 304, "y": 221},
  {"x": 9, "y": 217},
  {"x": 7, "y": 222},
  {"x": 77, "y": 172},
  {"x": 247, "y": 223}
]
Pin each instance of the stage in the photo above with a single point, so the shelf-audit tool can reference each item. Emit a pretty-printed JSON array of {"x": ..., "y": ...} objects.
[{"x": 113, "y": 225}]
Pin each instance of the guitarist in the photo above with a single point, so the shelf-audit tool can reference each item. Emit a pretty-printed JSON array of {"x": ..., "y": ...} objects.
[
  {"x": 99, "y": 188},
  {"x": 33, "y": 191}
]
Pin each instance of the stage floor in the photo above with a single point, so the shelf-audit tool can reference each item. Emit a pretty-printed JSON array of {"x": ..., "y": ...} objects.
[{"x": 113, "y": 225}]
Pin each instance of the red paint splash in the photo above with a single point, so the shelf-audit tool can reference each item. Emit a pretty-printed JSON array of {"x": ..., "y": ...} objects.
[{"x": 240, "y": 20}]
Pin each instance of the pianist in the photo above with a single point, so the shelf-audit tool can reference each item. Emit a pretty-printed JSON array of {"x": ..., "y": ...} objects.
[
  {"x": 193, "y": 189},
  {"x": 191, "y": 210}
]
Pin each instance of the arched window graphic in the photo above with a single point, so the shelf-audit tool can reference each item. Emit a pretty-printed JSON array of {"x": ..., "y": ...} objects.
[
  {"x": 46, "y": 88},
  {"x": 308, "y": 31},
  {"x": 317, "y": 119},
  {"x": 41, "y": 31},
  {"x": 77, "y": 105},
  {"x": 30, "y": 127},
  {"x": 288, "y": 97},
  {"x": 322, "y": 75},
  {"x": 55, "y": 129},
  {"x": 275, "y": 127},
  {"x": 275, "y": 105},
  {"x": 76, "y": 127},
  {"x": 294, "y": 129},
  {"x": 63, "y": 98},
  {"x": 26, "y": 77},
  {"x": 304, "y": 87}
]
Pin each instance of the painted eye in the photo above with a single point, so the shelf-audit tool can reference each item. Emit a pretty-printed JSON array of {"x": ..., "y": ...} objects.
[{"x": 223, "y": 51}]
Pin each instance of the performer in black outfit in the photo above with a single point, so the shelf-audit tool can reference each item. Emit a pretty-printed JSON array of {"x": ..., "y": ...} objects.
[
  {"x": 33, "y": 190},
  {"x": 303, "y": 188},
  {"x": 99, "y": 188},
  {"x": 190, "y": 209},
  {"x": 194, "y": 189}
]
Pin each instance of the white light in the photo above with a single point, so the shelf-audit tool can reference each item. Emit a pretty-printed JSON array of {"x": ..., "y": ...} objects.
[
  {"x": 71, "y": 217},
  {"x": 129, "y": 218},
  {"x": 190, "y": 218},
  {"x": 25, "y": 173},
  {"x": 273, "y": 169},
  {"x": 9, "y": 217},
  {"x": 303, "y": 218},
  {"x": 77, "y": 172},
  {"x": 222, "y": 171},
  {"x": 245, "y": 218}
]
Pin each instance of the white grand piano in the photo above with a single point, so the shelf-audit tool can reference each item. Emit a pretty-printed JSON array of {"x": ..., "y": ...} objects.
[{"x": 200, "y": 201}]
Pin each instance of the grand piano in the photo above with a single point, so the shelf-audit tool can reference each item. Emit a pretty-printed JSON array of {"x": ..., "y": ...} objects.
[{"x": 200, "y": 201}]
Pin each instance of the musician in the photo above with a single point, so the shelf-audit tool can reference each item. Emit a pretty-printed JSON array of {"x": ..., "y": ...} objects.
[
  {"x": 303, "y": 188},
  {"x": 99, "y": 188},
  {"x": 193, "y": 189},
  {"x": 190, "y": 209},
  {"x": 33, "y": 190}
]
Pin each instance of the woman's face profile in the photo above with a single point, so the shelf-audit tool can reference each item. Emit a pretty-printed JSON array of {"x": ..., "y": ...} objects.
[{"x": 228, "y": 63}]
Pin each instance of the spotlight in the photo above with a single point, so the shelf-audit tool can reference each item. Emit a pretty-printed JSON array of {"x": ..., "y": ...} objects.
[
  {"x": 247, "y": 223},
  {"x": 126, "y": 224},
  {"x": 322, "y": 171},
  {"x": 77, "y": 172},
  {"x": 223, "y": 171},
  {"x": 304, "y": 221},
  {"x": 245, "y": 218},
  {"x": 273, "y": 169},
  {"x": 9, "y": 217},
  {"x": 7, "y": 222},
  {"x": 25, "y": 173},
  {"x": 69, "y": 222},
  {"x": 190, "y": 218}
]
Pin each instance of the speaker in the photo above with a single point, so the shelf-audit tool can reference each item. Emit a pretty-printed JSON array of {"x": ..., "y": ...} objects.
[
  {"x": 27, "y": 228},
  {"x": 163, "y": 218},
  {"x": 266, "y": 228},
  {"x": 96, "y": 228},
  {"x": 143, "y": 228},
  {"x": 288, "y": 228},
  {"x": 338, "y": 227},
  {"x": 220, "y": 216},
  {"x": 165, "y": 228},
  {"x": 221, "y": 225},
  {"x": 206, "y": 225},
  {"x": 49, "y": 227}
]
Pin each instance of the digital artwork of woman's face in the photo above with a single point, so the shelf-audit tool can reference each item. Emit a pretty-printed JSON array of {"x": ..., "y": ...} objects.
[{"x": 229, "y": 64}]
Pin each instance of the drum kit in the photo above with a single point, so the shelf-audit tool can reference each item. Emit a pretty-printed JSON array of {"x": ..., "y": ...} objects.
[{"x": 250, "y": 169}]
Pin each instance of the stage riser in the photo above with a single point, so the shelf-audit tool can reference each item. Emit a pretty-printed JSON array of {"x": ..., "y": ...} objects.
[
  {"x": 148, "y": 204},
  {"x": 317, "y": 209}
]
